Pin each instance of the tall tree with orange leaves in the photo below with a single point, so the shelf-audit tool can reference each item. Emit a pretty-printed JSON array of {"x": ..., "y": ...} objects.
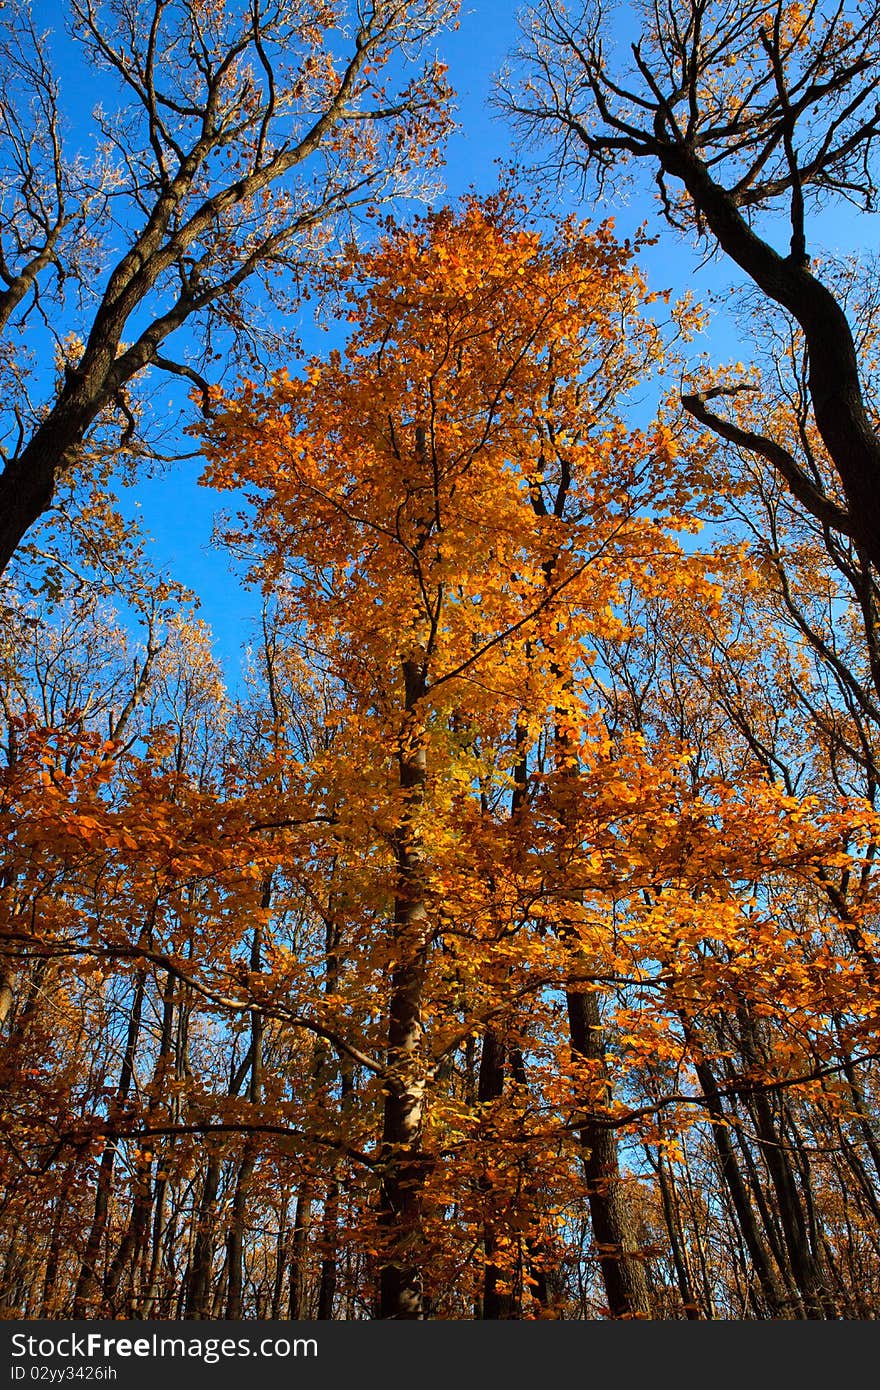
[{"x": 450, "y": 515}]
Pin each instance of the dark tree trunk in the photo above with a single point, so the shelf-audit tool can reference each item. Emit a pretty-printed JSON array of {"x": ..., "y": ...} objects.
[
  {"x": 402, "y": 1163},
  {"x": 808, "y": 1275},
  {"x": 676, "y": 1240},
  {"x": 329, "y": 1241},
  {"x": 235, "y": 1235},
  {"x": 302, "y": 1220},
  {"x": 198, "y": 1284},
  {"x": 614, "y": 1231},
  {"x": 490, "y": 1085}
]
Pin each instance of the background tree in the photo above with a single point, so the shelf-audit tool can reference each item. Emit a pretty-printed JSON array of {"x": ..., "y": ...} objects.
[
  {"x": 229, "y": 142},
  {"x": 739, "y": 112}
]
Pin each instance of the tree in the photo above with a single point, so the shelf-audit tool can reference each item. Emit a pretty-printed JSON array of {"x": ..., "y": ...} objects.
[
  {"x": 752, "y": 109},
  {"x": 231, "y": 139},
  {"x": 450, "y": 515},
  {"x": 407, "y": 474}
]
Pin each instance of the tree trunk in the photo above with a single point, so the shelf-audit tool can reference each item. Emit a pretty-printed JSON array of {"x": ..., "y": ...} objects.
[
  {"x": 302, "y": 1220},
  {"x": 809, "y": 1277},
  {"x": 614, "y": 1231},
  {"x": 402, "y": 1163},
  {"x": 329, "y": 1241},
  {"x": 490, "y": 1085},
  {"x": 676, "y": 1241},
  {"x": 198, "y": 1284}
]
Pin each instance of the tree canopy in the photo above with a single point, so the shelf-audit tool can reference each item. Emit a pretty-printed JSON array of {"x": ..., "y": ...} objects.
[{"x": 503, "y": 944}]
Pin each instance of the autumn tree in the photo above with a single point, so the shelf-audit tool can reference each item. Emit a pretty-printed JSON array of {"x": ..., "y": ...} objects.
[
  {"x": 449, "y": 515},
  {"x": 748, "y": 117},
  {"x": 229, "y": 141},
  {"x": 378, "y": 466}
]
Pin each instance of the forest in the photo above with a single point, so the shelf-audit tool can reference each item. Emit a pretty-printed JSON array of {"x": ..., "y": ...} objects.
[{"x": 502, "y": 940}]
